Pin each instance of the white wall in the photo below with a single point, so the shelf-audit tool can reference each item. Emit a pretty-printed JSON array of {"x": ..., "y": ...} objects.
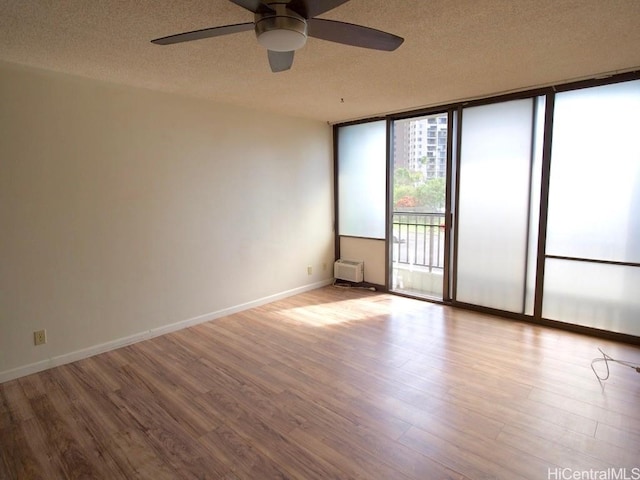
[{"x": 124, "y": 212}]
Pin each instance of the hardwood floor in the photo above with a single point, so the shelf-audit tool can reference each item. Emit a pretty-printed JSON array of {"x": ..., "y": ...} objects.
[{"x": 330, "y": 384}]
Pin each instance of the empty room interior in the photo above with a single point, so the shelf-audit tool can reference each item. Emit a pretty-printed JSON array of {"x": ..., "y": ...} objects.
[{"x": 313, "y": 239}]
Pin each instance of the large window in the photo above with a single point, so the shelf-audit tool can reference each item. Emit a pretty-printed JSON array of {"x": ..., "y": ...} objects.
[
  {"x": 537, "y": 211},
  {"x": 592, "y": 275}
]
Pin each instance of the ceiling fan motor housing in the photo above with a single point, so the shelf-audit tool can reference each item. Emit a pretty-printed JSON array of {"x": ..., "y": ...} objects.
[{"x": 282, "y": 31}]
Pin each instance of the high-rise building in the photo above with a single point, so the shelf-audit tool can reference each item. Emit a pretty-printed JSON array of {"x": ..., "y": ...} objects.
[{"x": 420, "y": 144}]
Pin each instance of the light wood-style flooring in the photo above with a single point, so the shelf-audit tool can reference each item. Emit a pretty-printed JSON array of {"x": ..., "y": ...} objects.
[{"x": 330, "y": 384}]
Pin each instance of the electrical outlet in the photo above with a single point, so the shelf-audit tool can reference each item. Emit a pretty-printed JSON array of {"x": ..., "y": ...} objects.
[
  {"x": 309, "y": 270},
  {"x": 39, "y": 337}
]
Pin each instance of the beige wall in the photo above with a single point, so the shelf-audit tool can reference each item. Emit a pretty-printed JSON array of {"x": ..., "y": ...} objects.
[
  {"x": 125, "y": 213},
  {"x": 369, "y": 251}
]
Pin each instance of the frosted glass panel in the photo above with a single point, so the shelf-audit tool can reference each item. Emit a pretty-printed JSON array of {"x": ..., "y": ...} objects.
[
  {"x": 495, "y": 162},
  {"x": 362, "y": 159},
  {"x": 594, "y": 197},
  {"x": 593, "y": 295}
]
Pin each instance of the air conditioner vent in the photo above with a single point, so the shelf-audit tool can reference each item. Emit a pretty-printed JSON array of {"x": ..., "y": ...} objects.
[{"x": 349, "y": 270}]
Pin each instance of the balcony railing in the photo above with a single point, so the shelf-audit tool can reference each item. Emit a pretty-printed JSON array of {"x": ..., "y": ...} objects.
[{"x": 418, "y": 239}]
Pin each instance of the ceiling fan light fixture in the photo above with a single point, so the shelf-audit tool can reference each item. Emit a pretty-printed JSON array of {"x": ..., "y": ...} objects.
[
  {"x": 282, "y": 27},
  {"x": 282, "y": 40},
  {"x": 283, "y": 32}
]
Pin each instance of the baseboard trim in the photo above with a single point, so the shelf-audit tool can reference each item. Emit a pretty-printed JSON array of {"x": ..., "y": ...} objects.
[{"x": 74, "y": 356}]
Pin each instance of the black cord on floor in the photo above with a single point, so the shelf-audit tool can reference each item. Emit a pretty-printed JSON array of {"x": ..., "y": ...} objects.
[{"x": 606, "y": 359}]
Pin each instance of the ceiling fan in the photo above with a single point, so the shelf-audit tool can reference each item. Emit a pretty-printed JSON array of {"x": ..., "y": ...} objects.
[{"x": 282, "y": 28}]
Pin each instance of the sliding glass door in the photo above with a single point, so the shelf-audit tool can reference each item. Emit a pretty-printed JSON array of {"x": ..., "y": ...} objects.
[
  {"x": 499, "y": 169},
  {"x": 419, "y": 174}
]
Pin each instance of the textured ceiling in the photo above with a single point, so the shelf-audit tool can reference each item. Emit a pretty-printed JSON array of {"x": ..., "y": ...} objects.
[{"x": 453, "y": 49}]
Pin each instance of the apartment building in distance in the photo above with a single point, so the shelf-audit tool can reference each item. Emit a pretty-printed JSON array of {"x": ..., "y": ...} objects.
[{"x": 420, "y": 144}]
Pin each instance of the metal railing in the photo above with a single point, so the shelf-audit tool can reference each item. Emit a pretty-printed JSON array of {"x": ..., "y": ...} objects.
[{"x": 418, "y": 239}]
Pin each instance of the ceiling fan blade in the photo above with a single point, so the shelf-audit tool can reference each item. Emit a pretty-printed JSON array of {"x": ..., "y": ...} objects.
[
  {"x": 311, "y": 8},
  {"x": 280, "y": 61},
  {"x": 204, "y": 33},
  {"x": 255, "y": 6},
  {"x": 350, "y": 34}
]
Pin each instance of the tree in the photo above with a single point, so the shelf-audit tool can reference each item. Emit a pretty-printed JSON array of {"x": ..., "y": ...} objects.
[
  {"x": 431, "y": 194},
  {"x": 411, "y": 190},
  {"x": 404, "y": 176},
  {"x": 403, "y": 192},
  {"x": 406, "y": 202}
]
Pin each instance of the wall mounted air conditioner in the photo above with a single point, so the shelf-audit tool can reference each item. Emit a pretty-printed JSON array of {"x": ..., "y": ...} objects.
[{"x": 349, "y": 270}]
